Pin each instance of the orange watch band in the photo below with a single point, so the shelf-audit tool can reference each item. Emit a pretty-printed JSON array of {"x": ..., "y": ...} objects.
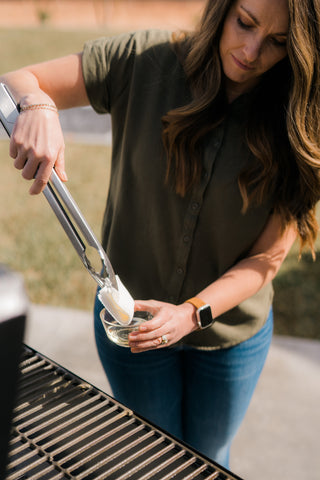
[{"x": 196, "y": 302}]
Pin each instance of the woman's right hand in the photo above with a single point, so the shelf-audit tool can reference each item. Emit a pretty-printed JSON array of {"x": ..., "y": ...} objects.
[{"x": 37, "y": 143}]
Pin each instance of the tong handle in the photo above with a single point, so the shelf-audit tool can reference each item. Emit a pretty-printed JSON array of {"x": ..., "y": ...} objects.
[
  {"x": 73, "y": 210},
  {"x": 63, "y": 218},
  {"x": 56, "y": 186},
  {"x": 9, "y": 110}
]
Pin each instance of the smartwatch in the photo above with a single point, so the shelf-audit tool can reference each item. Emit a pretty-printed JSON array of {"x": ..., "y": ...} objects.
[{"x": 203, "y": 312}]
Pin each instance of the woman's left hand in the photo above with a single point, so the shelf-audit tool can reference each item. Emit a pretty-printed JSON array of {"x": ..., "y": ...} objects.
[{"x": 169, "y": 324}]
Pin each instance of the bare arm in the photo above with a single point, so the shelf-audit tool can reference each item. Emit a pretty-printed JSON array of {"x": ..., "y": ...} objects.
[
  {"x": 59, "y": 81},
  {"x": 240, "y": 282},
  {"x": 252, "y": 273},
  {"x": 37, "y": 142}
]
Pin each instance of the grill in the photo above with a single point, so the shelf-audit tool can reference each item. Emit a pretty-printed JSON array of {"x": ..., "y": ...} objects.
[{"x": 64, "y": 428}]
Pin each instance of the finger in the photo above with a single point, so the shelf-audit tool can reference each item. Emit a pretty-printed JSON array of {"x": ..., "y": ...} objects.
[
  {"x": 151, "y": 306},
  {"x": 13, "y": 147},
  {"x": 41, "y": 176},
  {"x": 152, "y": 339},
  {"x": 156, "y": 309},
  {"x": 29, "y": 169},
  {"x": 140, "y": 337},
  {"x": 151, "y": 325},
  {"x": 20, "y": 159},
  {"x": 60, "y": 166},
  {"x": 29, "y": 162},
  {"x": 156, "y": 343},
  {"x": 13, "y": 151}
]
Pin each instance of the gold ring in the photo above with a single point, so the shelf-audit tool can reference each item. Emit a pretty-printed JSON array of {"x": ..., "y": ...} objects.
[{"x": 164, "y": 340}]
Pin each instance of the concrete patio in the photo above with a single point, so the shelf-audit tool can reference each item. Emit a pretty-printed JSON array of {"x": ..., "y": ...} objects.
[{"x": 279, "y": 437}]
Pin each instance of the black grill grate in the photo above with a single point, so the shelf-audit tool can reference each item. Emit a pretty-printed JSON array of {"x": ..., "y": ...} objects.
[{"x": 64, "y": 428}]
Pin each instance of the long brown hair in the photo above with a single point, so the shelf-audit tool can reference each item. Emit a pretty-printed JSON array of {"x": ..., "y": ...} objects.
[{"x": 284, "y": 140}]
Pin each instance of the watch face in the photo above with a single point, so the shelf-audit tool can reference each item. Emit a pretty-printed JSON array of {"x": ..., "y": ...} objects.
[{"x": 205, "y": 316}]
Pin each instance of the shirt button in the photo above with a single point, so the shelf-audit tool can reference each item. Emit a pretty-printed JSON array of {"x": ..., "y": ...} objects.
[
  {"x": 186, "y": 239},
  {"x": 179, "y": 270},
  {"x": 195, "y": 206}
]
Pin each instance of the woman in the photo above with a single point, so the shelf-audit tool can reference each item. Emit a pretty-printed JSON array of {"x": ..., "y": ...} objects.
[{"x": 215, "y": 170}]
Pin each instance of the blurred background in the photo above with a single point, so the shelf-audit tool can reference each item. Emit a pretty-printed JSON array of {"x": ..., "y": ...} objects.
[
  {"x": 113, "y": 14},
  {"x": 32, "y": 241}
]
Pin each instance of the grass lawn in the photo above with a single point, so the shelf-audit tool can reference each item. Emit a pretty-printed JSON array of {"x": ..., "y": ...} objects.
[
  {"x": 19, "y": 47},
  {"x": 33, "y": 243}
]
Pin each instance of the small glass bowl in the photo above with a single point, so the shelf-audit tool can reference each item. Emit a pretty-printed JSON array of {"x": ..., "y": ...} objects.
[{"x": 118, "y": 333}]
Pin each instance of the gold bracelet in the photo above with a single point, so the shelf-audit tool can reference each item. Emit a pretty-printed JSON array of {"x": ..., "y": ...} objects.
[{"x": 40, "y": 106}]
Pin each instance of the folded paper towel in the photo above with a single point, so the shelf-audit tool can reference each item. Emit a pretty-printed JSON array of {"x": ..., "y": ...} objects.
[{"x": 119, "y": 303}]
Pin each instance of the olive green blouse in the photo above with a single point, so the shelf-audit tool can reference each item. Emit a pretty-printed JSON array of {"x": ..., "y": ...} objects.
[{"x": 162, "y": 246}]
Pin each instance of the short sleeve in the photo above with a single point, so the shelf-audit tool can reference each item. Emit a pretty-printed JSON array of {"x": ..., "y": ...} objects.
[{"x": 108, "y": 64}]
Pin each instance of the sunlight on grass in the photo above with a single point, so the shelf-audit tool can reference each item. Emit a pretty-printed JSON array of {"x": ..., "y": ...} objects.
[
  {"x": 23, "y": 46},
  {"x": 297, "y": 299}
]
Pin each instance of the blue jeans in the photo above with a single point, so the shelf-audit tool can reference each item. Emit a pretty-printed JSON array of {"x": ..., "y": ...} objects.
[{"x": 200, "y": 397}]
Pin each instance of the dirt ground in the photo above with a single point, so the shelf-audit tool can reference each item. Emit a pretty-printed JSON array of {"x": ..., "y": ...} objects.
[{"x": 119, "y": 14}]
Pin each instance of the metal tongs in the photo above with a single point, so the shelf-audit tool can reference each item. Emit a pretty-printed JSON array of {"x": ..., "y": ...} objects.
[{"x": 64, "y": 206}]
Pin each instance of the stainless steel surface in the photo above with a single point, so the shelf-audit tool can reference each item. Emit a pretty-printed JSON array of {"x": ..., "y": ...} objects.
[
  {"x": 78, "y": 232},
  {"x": 64, "y": 428},
  {"x": 64, "y": 206}
]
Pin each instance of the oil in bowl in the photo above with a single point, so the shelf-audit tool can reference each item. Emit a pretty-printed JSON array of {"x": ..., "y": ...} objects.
[{"x": 119, "y": 333}]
